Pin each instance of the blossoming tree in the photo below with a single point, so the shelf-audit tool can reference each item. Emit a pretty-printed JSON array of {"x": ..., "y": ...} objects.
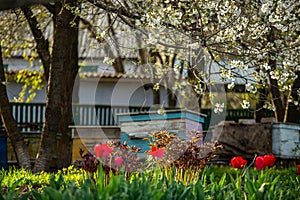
[{"x": 255, "y": 41}]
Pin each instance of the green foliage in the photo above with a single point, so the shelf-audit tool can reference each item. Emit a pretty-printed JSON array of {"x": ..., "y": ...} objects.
[
  {"x": 213, "y": 182},
  {"x": 31, "y": 82}
]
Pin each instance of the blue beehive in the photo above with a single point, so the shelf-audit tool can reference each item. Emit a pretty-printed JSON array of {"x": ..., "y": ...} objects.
[{"x": 136, "y": 126}]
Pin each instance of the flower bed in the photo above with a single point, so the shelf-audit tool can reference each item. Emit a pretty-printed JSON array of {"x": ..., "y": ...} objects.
[
  {"x": 213, "y": 182},
  {"x": 115, "y": 171}
]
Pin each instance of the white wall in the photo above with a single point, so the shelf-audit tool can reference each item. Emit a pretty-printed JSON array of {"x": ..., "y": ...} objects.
[{"x": 107, "y": 93}]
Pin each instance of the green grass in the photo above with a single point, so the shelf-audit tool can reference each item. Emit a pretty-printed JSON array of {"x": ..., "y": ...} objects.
[{"x": 214, "y": 182}]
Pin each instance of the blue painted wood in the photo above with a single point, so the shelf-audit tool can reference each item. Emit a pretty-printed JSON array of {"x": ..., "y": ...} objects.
[
  {"x": 144, "y": 144},
  {"x": 155, "y": 116},
  {"x": 194, "y": 117}
]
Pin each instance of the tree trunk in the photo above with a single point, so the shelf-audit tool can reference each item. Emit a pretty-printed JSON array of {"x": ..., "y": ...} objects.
[
  {"x": 118, "y": 65},
  {"x": 156, "y": 97},
  {"x": 10, "y": 124},
  {"x": 275, "y": 93},
  {"x": 70, "y": 72},
  {"x": 276, "y": 99},
  {"x": 54, "y": 90},
  {"x": 294, "y": 110},
  {"x": 259, "y": 105}
]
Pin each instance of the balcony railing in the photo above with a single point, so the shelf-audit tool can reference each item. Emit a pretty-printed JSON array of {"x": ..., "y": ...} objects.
[{"x": 30, "y": 116}]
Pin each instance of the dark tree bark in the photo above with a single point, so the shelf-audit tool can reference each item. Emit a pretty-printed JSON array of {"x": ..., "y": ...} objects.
[
  {"x": 275, "y": 93},
  {"x": 196, "y": 65},
  {"x": 53, "y": 111},
  {"x": 276, "y": 98},
  {"x": 42, "y": 43},
  {"x": 61, "y": 69},
  {"x": 10, "y": 124},
  {"x": 118, "y": 64},
  {"x": 294, "y": 110},
  {"x": 70, "y": 71},
  {"x": 156, "y": 97},
  {"x": 259, "y": 105}
]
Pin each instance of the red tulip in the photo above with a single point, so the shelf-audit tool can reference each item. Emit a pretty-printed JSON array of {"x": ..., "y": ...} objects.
[
  {"x": 298, "y": 172},
  {"x": 238, "y": 162},
  {"x": 269, "y": 160},
  {"x": 102, "y": 150},
  {"x": 119, "y": 161},
  {"x": 156, "y": 152},
  {"x": 259, "y": 163}
]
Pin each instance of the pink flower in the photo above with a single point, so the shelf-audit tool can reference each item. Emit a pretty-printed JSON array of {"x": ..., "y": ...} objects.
[
  {"x": 156, "y": 152},
  {"x": 119, "y": 161},
  {"x": 102, "y": 150},
  {"x": 238, "y": 162},
  {"x": 269, "y": 160},
  {"x": 298, "y": 172},
  {"x": 259, "y": 163}
]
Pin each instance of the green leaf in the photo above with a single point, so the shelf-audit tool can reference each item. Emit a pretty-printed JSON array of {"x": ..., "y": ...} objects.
[
  {"x": 250, "y": 188},
  {"x": 37, "y": 195},
  {"x": 185, "y": 192},
  {"x": 53, "y": 193},
  {"x": 25, "y": 196},
  {"x": 274, "y": 182},
  {"x": 222, "y": 181},
  {"x": 66, "y": 195}
]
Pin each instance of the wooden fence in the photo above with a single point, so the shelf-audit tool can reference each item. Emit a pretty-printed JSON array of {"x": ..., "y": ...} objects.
[{"x": 30, "y": 116}]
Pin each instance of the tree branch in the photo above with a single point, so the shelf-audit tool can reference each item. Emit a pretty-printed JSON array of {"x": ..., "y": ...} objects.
[
  {"x": 41, "y": 42},
  {"x": 118, "y": 11}
]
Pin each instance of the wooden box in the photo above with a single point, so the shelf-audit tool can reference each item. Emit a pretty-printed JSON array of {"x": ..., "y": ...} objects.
[
  {"x": 136, "y": 126},
  {"x": 285, "y": 140}
]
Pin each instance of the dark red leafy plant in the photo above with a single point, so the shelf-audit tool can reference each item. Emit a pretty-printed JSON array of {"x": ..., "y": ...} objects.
[{"x": 190, "y": 152}]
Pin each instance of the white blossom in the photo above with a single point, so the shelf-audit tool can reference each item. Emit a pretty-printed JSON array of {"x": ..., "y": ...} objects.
[
  {"x": 250, "y": 88},
  {"x": 231, "y": 85},
  {"x": 219, "y": 108},
  {"x": 245, "y": 104},
  {"x": 266, "y": 66},
  {"x": 265, "y": 7},
  {"x": 108, "y": 60}
]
